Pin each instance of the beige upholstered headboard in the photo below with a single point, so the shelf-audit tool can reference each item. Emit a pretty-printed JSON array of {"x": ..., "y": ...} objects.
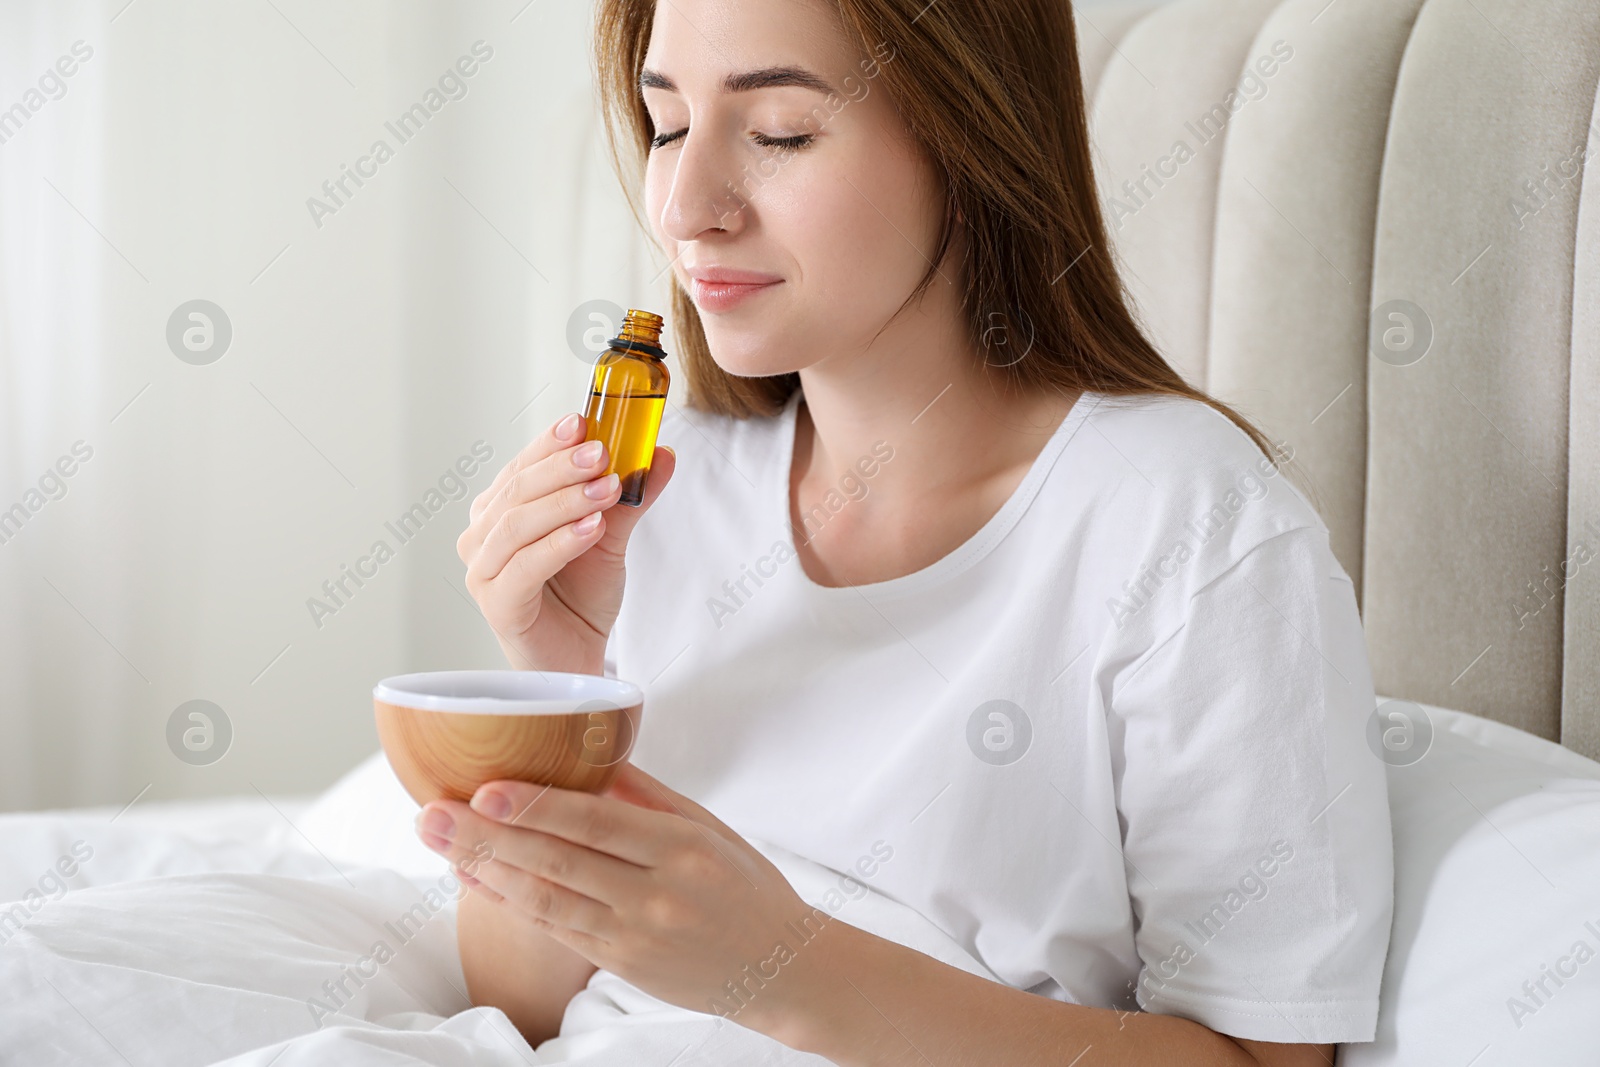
[{"x": 1368, "y": 225}]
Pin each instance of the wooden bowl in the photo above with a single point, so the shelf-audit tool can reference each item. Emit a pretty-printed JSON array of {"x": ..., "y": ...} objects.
[{"x": 448, "y": 732}]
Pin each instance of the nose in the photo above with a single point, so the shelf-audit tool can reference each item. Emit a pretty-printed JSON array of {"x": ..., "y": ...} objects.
[{"x": 706, "y": 192}]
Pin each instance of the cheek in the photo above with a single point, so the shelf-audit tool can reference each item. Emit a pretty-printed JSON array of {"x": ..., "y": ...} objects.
[{"x": 861, "y": 237}]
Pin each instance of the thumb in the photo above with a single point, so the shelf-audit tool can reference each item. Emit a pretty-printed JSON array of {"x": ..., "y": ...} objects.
[
  {"x": 621, "y": 519},
  {"x": 646, "y": 791}
]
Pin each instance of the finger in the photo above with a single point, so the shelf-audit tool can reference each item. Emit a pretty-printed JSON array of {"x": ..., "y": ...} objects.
[
  {"x": 547, "y": 443},
  {"x": 565, "y": 467},
  {"x": 629, "y": 786},
  {"x": 475, "y": 886},
  {"x": 534, "y": 563},
  {"x": 481, "y": 501},
  {"x": 551, "y": 464},
  {"x": 593, "y": 874},
  {"x": 526, "y": 572},
  {"x": 586, "y": 945},
  {"x": 635, "y": 786},
  {"x": 663, "y": 461},
  {"x": 599, "y": 823},
  {"x": 549, "y": 904},
  {"x": 620, "y": 521},
  {"x": 579, "y": 462},
  {"x": 525, "y": 524}
]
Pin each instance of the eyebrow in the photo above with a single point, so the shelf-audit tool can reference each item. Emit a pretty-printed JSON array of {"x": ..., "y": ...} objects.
[{"x": 745, "y": 81}]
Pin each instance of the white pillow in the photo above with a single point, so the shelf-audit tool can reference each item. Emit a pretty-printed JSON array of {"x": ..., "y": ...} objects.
[{"x": 1497, "y": 884}]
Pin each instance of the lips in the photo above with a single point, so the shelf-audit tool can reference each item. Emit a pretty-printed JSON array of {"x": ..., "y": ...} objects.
[
  {"x": 731, "y": 276},
  {"x": 723, "y": 288}
]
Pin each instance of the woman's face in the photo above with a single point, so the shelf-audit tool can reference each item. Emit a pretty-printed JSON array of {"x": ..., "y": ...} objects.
[{"x": 841, "y": 218}]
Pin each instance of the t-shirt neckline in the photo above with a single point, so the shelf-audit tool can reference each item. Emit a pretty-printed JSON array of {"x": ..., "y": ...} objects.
[{"x": 969, "y": 552}]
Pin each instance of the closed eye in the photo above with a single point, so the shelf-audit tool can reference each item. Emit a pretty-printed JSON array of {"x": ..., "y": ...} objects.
[{"x": 795, "y": 143}]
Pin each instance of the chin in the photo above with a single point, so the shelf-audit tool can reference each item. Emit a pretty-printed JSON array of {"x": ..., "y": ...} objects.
[{"x": 751, "y": 354}]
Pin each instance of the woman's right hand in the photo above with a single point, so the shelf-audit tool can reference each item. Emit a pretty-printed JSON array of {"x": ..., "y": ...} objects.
[{"x": 549, "y": 588}]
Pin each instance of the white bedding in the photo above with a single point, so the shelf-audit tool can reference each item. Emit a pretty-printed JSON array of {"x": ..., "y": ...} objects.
[
  {"x": 206, "y": 933},
  {"x": 203, "y": 933}
]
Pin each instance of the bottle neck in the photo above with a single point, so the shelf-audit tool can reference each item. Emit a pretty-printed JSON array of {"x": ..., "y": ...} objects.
[
  {"x": 641, "y": 332},
  {"x": 650, "y": 335}
]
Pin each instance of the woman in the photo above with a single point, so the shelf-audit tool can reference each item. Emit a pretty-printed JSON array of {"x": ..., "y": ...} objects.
[{"x": 958, "y": 577}]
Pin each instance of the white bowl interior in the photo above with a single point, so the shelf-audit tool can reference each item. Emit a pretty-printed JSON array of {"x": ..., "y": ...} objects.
[{"x": 508, "y": 692}]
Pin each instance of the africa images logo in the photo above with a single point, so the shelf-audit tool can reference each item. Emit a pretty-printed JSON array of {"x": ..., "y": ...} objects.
[{"x": 452, "y": 85}]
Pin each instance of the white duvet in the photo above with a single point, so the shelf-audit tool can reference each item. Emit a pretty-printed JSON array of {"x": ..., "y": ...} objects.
[
  {"x": 257, "y": 933},
  {"x": 249, "y": 932}
]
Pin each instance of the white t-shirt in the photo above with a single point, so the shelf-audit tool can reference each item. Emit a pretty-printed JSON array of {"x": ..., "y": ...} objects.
[{"x": 1114, "y": 742}]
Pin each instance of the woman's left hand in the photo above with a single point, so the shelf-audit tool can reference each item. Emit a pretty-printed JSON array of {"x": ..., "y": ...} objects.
[{"x": 640, "y": 880}]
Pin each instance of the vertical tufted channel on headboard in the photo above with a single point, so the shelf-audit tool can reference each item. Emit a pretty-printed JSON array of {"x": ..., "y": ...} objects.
[
  {"x": 1468, "y": 445},
  {"x": 1161, "y": 87},
  {"x": 1296, "y": 213},
  {"x": 1425, "y": 151},
  {"x": 1580, "y": 673}
]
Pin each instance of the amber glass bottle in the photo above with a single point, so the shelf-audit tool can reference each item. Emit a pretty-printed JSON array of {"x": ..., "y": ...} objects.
[{"x": 626, "y": 399}]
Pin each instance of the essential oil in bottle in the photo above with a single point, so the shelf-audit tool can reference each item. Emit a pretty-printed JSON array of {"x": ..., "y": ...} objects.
[{"x": 626, "y": 399}]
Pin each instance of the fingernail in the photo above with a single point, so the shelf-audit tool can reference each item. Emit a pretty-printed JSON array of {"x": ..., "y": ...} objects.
[
  {"x": 437, "y": 823},
  {"x": 587, "y": 523},
  {"x": 567, "y": 428},
  {"x": 601, "y": 488},
  {"x": 491, "y": 804},
  {"x": 589, "y": 454}
]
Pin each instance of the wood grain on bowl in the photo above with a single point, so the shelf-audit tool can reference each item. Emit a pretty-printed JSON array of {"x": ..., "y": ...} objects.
[{"x": 449, "y": 754}]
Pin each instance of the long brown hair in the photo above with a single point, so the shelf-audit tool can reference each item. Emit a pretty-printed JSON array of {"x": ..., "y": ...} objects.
[{"x": 991, "y": 91}]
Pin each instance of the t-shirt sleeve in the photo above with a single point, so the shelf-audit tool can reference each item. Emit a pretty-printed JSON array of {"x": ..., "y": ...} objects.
[{"x": 1255, "y": 819}]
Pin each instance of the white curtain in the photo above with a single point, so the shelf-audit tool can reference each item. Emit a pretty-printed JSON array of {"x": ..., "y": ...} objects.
[
  {"x": 64, "y": 612},
  {"x": 373, "y": 347}
]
